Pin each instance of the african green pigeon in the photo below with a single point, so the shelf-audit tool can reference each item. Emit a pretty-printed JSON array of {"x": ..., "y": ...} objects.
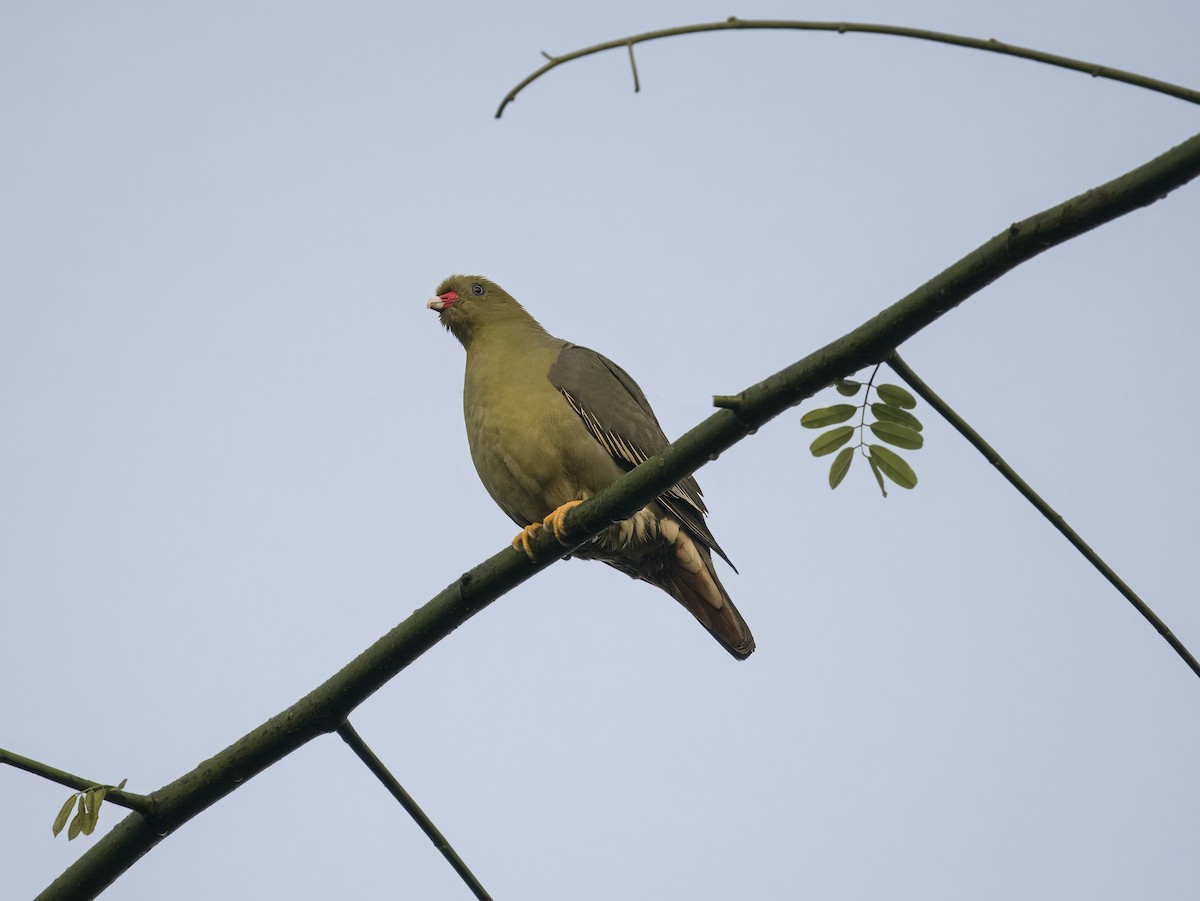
[{"x": 550, "y": 424}]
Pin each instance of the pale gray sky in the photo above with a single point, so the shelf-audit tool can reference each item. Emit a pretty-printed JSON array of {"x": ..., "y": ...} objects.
[{"x": 233, "y": 455}]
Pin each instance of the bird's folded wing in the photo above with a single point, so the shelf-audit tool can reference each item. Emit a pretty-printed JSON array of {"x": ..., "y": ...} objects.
[{"x": 617, "y": 414}]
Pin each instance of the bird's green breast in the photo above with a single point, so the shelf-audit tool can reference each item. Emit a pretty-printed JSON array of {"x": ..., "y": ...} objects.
[{"x": 529, "y": 446}]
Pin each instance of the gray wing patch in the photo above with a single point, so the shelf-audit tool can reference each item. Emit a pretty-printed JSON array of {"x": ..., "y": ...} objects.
[{"x": 616, "y": 413}]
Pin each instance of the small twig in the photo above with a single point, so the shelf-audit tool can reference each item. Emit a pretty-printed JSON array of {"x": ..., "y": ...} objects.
[
  {"x": 862, "y": 423},
  {"x": 991, "y": 45},
  {"x": 1056, "y": 520},
  {"x": 375, "y": 765},
  {"x": 633, "y": 63},
  {"x": 735, "y": 404},
  {"x": 117, "y": 796}
]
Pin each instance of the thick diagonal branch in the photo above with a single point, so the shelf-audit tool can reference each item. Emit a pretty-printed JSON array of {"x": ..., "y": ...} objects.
[{"x": 328, "y": 706}]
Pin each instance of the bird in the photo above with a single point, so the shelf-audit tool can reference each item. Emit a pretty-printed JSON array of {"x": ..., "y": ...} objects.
[{"x": 550, "y": 424}]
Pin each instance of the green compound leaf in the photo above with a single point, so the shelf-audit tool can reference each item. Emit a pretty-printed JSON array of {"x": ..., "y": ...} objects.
[
  {"x": 878, "y": 474},
  {"x": 828, "y": 442},
  {"x": 818, "y": 419},
  {"x": 895, "y": 396},
  {"x": 899, "y": 435},
  {"x": 847, "y": 387},
  {"x": 841, "y": 465},
  {"x": 61, "y": 819},
  {"x": 884, "y": 413},
  {"x": 893, "y": 466}
]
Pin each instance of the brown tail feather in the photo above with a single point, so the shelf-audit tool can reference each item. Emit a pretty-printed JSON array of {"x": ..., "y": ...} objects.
[
  {"x": 693, "y": 582},
  {"x": 653, "y": 547}
]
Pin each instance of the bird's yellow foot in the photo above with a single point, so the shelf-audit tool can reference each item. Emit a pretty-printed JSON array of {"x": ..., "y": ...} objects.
[
  {"x": 554, "y": 522},
  {"x": 524, "y": 539}
]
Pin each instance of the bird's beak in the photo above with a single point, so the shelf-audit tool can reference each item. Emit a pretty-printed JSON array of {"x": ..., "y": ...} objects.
[{"x": 442, "y": 302}]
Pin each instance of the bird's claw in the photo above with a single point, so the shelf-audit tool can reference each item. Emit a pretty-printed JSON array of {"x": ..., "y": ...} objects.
[
  {"x": 524, "y": 539},
  {"x": 554, "y": 522}
]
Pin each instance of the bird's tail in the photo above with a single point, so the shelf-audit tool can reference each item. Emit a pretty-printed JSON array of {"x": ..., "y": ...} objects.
[{"x": 693, "y": 582}]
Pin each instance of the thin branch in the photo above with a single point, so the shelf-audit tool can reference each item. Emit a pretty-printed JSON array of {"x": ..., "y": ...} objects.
[
  {"x": 914, "y": 381},
  {"x": 633, "y": 65},
  {"x": 375, "y": 765},
  {"x": 991, "y": 45},
  {"x": 114, "y": 795},
  {"x": 324, "y": 709}
]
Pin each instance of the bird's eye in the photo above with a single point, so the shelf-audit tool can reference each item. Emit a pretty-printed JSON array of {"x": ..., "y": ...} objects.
[{"x": 477, "y": 289}]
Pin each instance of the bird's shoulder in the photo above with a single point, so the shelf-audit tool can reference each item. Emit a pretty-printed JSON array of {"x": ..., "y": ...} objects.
[{"x": 603, "y": 391}]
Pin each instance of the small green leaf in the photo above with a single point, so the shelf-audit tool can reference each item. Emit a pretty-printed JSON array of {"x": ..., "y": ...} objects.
[
  {"x": 89, "y": 812},
  {"x": 841, "y": 465},
  {"x": 847, "y": 387},
  {"x": 77, "y": 821},
  {"x": 893, "y": 466},
  {"x": 61, "y": 819},
  {"x": 818, "y": 419},
  {"x": 884, "y": 413},
  {"x": 122, "y": 785},
  {"x": 878, "y": 474},
  {"x": 94, "y": 799},
  {"x": 828, "y": 442},
  {"x": 895, "y": 396},
  {"x": 899, "y": 435}
]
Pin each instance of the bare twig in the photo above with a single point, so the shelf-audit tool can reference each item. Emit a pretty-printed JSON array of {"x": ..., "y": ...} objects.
[
  {"x": 375, "y": 765},
  {"x": 914, "y": 381},
  {"x": 633, "y": 65},
  {"x": 991, "y": 45}
]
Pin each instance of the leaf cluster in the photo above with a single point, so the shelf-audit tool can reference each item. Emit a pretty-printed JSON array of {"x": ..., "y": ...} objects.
[
  {"x": 88, "y": 813},
  {"x": 892, "y": 424}
]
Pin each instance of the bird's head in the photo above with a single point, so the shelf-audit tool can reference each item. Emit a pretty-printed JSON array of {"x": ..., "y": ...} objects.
[{"x": 469, "y": 305}]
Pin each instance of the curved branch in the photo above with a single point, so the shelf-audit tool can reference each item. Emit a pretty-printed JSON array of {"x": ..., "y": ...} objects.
[
  {"x": 327, "y": 707},
  {"x": 990, "y": 44}
]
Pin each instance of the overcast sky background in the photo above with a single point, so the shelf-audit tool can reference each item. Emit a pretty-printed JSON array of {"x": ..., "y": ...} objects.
[{"x": 232, "y": 452}]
